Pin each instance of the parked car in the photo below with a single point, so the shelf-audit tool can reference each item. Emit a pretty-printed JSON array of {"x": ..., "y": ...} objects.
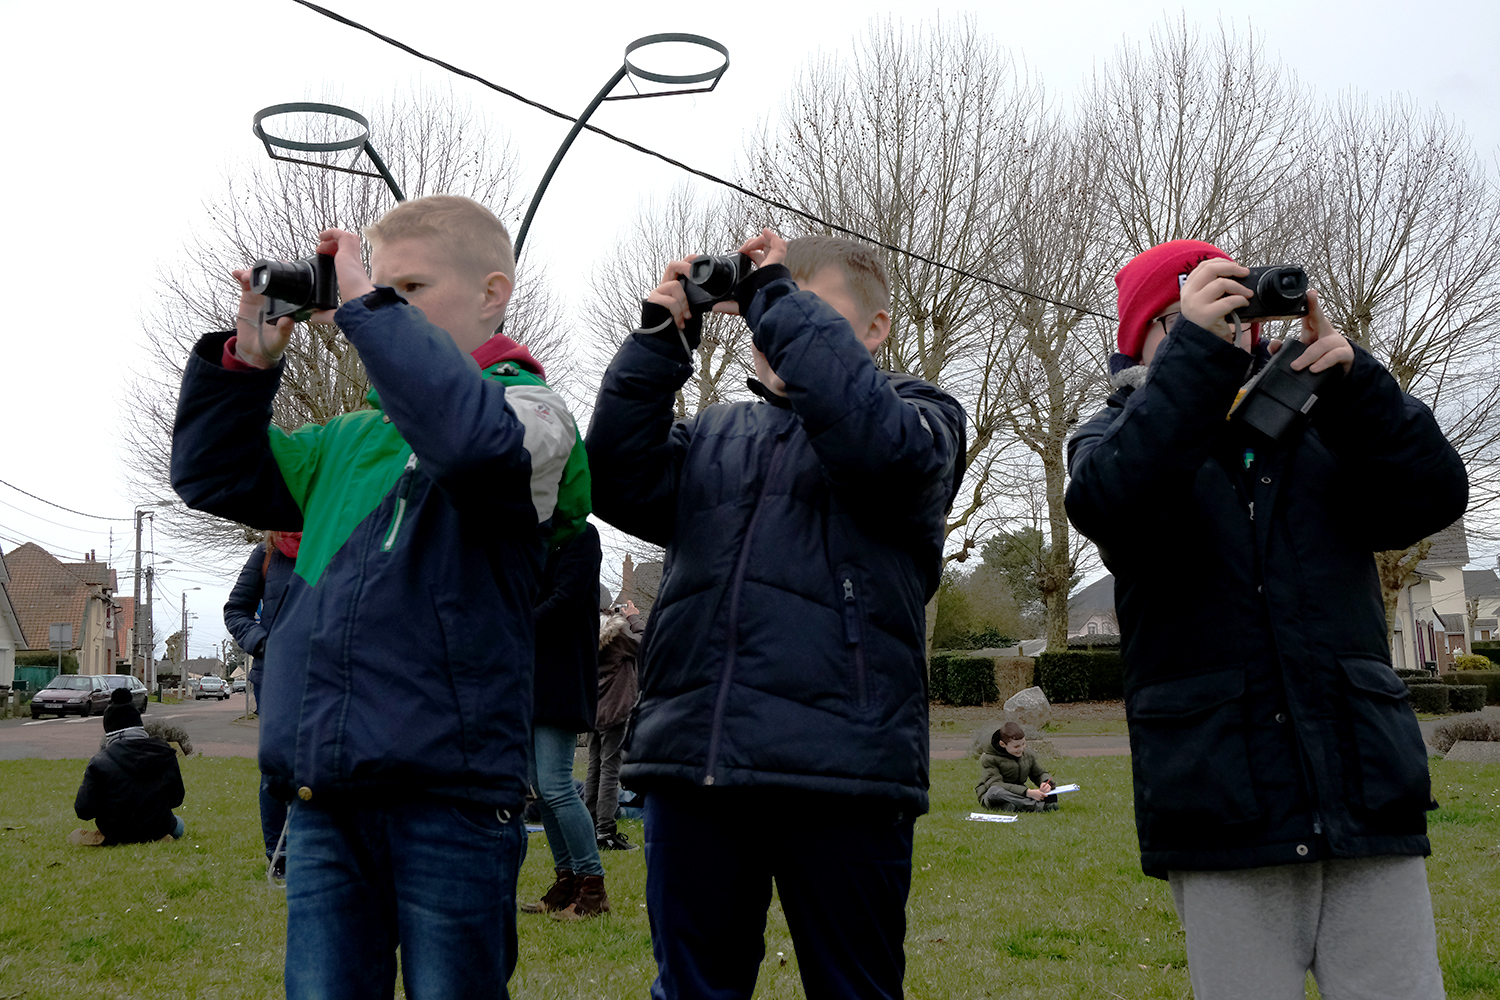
[
  {"x": 71, "y": 694},
  {"x": 211, "y": 687},
  {"x": 238, "y": 686},
  {"x": 138, "y": 692}
]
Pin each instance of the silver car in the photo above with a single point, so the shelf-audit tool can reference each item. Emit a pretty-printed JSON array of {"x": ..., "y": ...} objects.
[{"x": 211, "y": 687}]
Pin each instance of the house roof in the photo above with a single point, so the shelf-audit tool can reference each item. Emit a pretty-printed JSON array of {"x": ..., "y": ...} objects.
[
  {"x": 44, "y": 590},
  {"x": 1489, "y": 623},
  {"x": 1454, "y": 623},
  {"x": 1097, "y": 597},
  {"x": 1450, "y": 547},
  {"x": 125, "y": 618},
  {"x": 1481, "y": 583},
  {"x": 7, "y": 609}
]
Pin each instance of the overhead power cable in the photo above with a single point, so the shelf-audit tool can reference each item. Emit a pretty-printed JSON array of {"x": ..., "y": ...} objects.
[
  {"x": 49, "y": 503},
  {"x": 334, "y": 16}
]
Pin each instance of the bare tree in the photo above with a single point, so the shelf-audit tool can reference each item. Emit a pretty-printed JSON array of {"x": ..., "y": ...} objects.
[
  {"x": 433, "y": 143},
  {"x": 681, "y": 225},
  {"x": 1201, "y": 138}
]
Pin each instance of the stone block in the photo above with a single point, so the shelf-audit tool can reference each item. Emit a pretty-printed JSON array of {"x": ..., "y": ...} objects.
[{"x": 1029, "y": 707}]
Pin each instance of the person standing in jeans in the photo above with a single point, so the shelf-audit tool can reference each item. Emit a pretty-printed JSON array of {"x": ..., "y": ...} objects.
[
  {"x": 562, "y": 707},
  {"x": 620, "y": 628}
]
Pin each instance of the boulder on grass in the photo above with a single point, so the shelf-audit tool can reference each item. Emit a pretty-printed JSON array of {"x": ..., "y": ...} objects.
[{"x": 1029, "y": 707}]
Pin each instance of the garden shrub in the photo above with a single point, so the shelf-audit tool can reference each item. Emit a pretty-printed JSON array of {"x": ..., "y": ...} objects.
[
  {"x": 1489, "y": 678},
  {"x": 937, "y": 677},
  {"x": 1477, "y": 730},
  {"x": 1064, "y": 676},
  {"x": 1467, "y": 697},
  {"x": 44, "y": 658},
  {"x": 1470, "y": 661},
  {"x": 1430, "y": 698},
  {"x": 971, "y": 680}
]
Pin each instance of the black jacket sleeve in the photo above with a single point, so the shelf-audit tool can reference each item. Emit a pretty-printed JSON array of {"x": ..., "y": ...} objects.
[
  {"x": 636, "y": 450},
  {"x": 240, "y": 616}
]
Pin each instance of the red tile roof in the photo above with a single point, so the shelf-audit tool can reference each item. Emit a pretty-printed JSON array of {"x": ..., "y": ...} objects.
[{"x": 44, "y": 591}]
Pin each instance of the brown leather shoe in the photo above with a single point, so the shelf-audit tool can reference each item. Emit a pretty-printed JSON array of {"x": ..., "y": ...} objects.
[
  {"x": 558, "y": 896},
  {"x": 589, "y": 899},
  {"x": 85, "y": 837}
]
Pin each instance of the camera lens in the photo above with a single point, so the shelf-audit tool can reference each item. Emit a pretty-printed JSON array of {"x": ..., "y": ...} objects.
[{"x": 289, "y": 281}]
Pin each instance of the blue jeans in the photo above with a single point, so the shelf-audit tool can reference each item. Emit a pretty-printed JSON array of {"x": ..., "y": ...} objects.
[
  {"x": 436, "y": 877},
  {"x": 570, "y": 829},
  {"x": 841, "y": 865}
]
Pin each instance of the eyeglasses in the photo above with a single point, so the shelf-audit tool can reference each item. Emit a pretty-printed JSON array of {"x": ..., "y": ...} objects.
[{"x": 1167, "y": 320}]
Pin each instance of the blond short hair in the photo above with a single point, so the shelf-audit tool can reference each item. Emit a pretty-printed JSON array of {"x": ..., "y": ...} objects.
[
  {"x": 863, "y": 272},
  {"x": 469, "y": 232}
]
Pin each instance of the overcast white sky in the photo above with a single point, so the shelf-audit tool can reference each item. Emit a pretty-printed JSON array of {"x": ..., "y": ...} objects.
[{"x": 124, "y": 118}]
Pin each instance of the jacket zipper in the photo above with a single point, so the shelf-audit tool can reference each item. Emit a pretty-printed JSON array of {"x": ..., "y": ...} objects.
[
  {"x": 851, "y": 635},
  {"x": 403, "y": 490},
  {"x": 722, "y": 700}
]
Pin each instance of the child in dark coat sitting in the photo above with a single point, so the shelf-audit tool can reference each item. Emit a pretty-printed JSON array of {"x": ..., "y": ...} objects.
[{"x": 132, "y": 784}]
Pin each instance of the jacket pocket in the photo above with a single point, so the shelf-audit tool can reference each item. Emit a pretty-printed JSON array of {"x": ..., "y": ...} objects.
[
  {"x": 1188, "y": 736},
  {"x": 848, "y": 596},
  {"x": 1387, "y": 761}
]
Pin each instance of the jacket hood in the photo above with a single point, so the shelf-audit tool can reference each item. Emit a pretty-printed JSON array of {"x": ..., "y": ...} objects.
[{"x": 501, "y": 348}]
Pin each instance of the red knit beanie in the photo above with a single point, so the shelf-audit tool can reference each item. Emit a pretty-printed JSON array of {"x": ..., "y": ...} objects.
[{"x": 1151, "y": 282}]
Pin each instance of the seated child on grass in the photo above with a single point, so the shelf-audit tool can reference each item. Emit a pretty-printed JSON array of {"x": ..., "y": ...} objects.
[
  {"x": 131, "y": 785},
  {"x": 1008, "y": 765}
]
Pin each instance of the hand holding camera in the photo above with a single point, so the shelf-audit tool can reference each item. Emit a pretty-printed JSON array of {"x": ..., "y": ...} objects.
[{"x": 276, "y": 294}]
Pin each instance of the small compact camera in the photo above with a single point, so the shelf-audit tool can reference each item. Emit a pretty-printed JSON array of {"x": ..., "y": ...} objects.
[
  {"x": 1278, "y": 400},
  {"x": 711, "y": 280},
  {"x": 296, "y": 288},
  {"x": 1280, "y": 290}
]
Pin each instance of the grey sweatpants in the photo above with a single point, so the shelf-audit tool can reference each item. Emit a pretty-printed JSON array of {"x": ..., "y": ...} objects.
[{"x": 1363, "y": 926}]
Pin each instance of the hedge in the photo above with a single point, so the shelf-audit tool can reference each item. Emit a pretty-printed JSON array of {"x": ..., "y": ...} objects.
[
  {"x": 1080, "y": 674},
  {"x": 1467, "y": 697},
  {"x": 1487, "y": 648},
  {"x": 1489, "y": 679},
  {"x": 43, "y": 658},
  {"x": 961, "y": 679},
  {"x": 1430, "y": 698}
]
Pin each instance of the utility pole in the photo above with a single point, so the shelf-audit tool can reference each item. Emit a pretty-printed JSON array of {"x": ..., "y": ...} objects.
[
  {"x": 150, "y": 636},
  {"x": 136, "y": 616}
]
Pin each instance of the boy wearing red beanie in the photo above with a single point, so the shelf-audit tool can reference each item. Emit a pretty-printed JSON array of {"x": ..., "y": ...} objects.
[{"x": 1281, "y": 782}]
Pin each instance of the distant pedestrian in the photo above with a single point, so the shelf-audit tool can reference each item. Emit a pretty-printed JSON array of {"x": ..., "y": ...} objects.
[
  {"x": 249, "y": 614},
  {"x": 562, "y": 707},
  {"x": 620, "y": 628},
  {"x": 1008, "y": 766},
  {"x": 131, "y": 785}
]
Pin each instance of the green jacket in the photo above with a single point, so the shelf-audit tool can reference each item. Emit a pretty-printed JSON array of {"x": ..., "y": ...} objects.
[{"x": 1011, "y": 773}]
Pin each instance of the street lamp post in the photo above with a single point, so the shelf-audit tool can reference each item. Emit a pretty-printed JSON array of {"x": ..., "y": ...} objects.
[{"x": 182, "y": 647}]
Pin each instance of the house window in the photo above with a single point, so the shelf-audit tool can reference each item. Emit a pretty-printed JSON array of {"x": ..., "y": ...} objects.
[{"x": 1093, "y": 628}]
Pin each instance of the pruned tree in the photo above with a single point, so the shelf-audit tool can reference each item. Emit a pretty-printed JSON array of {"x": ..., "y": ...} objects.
[{"x": 434, "y": 143}]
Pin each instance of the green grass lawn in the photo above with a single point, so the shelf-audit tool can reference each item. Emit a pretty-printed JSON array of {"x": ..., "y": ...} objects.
[{"x": 1049, "y": 906}]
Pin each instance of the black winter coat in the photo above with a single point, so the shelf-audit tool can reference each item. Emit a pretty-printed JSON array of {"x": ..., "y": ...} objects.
[
  {"x": 803, "y": 537},
  {"x": 567, "y": 635},
  {"x": 253, "y": 603},
  {"x": 1266, "y": 724},
  {"x": 130, "y": 789}
]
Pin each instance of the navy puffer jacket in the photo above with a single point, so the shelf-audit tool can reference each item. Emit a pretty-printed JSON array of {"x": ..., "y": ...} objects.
[
  {"x": 804, "y": 537},
  {"x": 1266, "y": 724}
]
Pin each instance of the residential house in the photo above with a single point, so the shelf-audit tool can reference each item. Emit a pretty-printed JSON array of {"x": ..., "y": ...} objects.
[
  {"x": 11, "y": 637},
  {"x": 1091, "y": 611},
  {"x": 639, "y": 583},
  {"x": 125, "y": 659},
  {"x": 46, "y": 591},
  {"x": 1432, "y": 610},
  {"x": 1482, "y": 588}
]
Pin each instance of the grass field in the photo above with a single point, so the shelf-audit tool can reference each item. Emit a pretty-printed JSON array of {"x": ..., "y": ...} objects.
[{"x": 1051, "y": 906}]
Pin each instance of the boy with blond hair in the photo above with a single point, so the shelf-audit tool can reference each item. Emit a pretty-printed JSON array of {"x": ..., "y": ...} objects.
[
  {"x": 398, "y": 683},
  {"x": 783, "y": 668}
]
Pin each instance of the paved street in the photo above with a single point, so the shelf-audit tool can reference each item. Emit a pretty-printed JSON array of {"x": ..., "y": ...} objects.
[{"x": 209, "y": 724}]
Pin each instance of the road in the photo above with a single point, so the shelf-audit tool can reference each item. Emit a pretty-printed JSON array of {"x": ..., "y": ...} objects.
[{"x": 210, "y": 725}]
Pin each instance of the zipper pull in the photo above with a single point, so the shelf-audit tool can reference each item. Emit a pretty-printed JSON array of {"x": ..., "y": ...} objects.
[
  {"x": 848, "y": 590},
  {"x": 1252, "y": 510}
]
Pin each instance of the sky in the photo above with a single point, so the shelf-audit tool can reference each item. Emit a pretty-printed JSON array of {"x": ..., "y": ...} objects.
[{"x": 124, "y": 119}]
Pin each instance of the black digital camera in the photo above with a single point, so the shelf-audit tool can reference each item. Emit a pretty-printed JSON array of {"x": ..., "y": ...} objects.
[
  {"x": 296, "y": 288},
  {"x": 711, "y": 280},
  {"x": 1279, "y": 290}
]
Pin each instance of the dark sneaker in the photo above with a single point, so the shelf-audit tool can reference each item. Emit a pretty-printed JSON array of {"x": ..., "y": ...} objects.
[
  {"x": 278, "y": 868},
  {"x": 616, "y": 842}
]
